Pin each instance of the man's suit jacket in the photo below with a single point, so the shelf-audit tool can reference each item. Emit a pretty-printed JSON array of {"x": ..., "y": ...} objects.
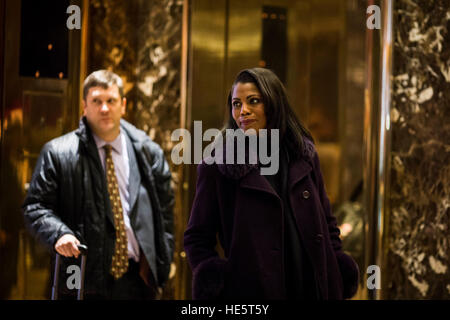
[{"x": 68, "y": 195}]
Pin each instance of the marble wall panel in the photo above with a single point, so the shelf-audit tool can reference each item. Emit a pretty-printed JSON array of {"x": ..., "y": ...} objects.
[
  {"x": 141, "y": 40},
  {"x": 418, "y": 257}
]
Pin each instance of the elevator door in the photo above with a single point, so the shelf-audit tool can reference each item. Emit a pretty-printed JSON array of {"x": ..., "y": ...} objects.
[
  {"x": 302, "y": 41},
  {"x": 316, "y": 47},
  {"x": 37, "y": 106}
]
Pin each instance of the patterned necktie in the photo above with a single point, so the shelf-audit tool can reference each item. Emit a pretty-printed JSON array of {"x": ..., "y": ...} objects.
[{"x": 119, "y": 263}]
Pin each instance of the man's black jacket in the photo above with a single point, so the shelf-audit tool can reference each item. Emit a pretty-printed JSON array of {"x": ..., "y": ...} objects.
[{"x": 68, "y": 195}]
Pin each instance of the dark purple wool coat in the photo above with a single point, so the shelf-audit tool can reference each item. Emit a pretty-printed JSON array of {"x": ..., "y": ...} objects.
[{"x": 240, "y": 205}]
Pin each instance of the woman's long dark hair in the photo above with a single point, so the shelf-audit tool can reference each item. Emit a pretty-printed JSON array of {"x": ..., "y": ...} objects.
[{"x": 278, "y": 111}]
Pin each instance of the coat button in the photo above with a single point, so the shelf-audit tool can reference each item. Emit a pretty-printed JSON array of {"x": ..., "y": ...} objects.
[
  {"x": 306, "y": 194},
  {"x": 319, "y": 238}
]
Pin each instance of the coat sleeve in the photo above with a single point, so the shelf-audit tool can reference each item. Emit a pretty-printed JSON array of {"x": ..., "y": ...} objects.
[
  {"x": 40, "y": 207},
  {"x": 347, "y": 265},
  {"x": 165, "y": 195},
  {"x": 200, "y": 239}
]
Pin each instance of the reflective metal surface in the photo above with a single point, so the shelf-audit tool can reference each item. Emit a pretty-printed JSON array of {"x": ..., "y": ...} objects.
[
  {"x": 377, "y": 139},
  {"x": 207, "y": 58},
  {"x": 206, "y": 88},
  {"x": 34, "y": 110},
  {"x": 182, "y": 281}
]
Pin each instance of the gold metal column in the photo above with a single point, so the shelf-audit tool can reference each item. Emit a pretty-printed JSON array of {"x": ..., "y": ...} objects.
[
  {"x": 377, "y": 137},
  {"x": 183, "y": 273}
]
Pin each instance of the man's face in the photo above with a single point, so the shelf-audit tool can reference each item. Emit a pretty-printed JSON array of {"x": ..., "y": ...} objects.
[{"x": 103, "y": 109}]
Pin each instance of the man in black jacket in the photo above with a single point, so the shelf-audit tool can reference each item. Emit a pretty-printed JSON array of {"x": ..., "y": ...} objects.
[{"x": 106, "y": 185}]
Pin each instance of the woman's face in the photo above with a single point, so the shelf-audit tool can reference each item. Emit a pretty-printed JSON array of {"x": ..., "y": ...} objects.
[{"x": 247, "y": 107}]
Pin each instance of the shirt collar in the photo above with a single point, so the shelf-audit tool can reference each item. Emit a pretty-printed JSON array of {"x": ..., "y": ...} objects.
[{"x": 116, "y": 144}]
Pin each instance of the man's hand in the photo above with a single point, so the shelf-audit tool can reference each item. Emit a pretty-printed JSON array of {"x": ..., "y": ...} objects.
[{"x": 67, "y": 246}]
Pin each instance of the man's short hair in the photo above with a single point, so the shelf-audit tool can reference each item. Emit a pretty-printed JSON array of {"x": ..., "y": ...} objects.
[{"x": 103, "y": 79}]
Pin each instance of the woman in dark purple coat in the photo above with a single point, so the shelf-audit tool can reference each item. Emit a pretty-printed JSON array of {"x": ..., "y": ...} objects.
[{"x": 278, "y": 235}]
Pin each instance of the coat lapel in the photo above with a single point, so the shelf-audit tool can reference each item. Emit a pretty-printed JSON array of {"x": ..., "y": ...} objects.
[
  {"x": 135, "y": 176},
  {"x": 254, "y": 180},
  {"x": 85, "y": 135},
  {"x": 297, "y": 171},
  {"x": 304, "y": 213}
]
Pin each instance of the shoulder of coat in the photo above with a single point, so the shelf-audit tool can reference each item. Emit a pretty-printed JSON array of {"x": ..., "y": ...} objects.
[
  {"x": 135, "y": 134},
  {"x": 64, "y": 144}
]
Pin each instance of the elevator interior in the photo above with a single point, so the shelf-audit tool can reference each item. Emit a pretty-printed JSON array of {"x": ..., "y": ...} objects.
[{"x": 39, "y": 101}]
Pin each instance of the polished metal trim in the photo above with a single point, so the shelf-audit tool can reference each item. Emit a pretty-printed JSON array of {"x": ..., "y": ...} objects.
[
  {"x": 377, "y": 137},
  {"x": 184, "y": 62},
  {"x": 84, "y": 52},
  {"x": 385, "y": 138},
  {"x": 180, "y": 266}
]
